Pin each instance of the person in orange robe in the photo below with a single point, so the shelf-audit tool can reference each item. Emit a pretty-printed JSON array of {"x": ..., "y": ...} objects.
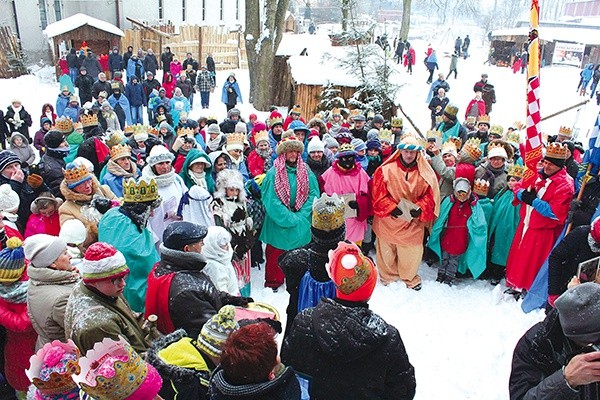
[{"x": 406, "y": 201}]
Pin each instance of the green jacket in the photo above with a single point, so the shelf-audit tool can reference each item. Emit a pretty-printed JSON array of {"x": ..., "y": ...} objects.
[
  {"x": 192, "y": 155},
  {"x": 285, "y": 229},
  {"x": 503, "y": 225}
]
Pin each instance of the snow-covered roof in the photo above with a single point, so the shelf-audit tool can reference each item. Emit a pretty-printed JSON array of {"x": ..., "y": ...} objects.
[
  {"x": 303, "y": 71},
  {"x": 78, "y": 20},
  {"x": 551, "y": 34}
]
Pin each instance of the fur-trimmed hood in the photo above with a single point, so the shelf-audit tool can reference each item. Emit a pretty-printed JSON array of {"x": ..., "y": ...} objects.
[{"x": 229, "y": 178}]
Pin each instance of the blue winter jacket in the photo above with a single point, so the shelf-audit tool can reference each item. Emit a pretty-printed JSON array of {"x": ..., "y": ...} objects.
[
  {"x": 135, "y": 94},
  {"x": 130, "y": 70},
  {"x": 62, "y": 102},
  {"x": 588, "y": 72},
  {"x": 115, "y": 62},
  {"x": 124, "y": 103},
  {"x": 431, "y": 62},
  {"x": 235, "y": 87},
  {"x": 72, "y": 112}
]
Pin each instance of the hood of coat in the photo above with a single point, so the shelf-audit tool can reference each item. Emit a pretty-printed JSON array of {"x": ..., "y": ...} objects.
[
  {"x": 71, "y": 195},
  {"x": 48, "y": 276},
  {"x": 176, "y": 260}
]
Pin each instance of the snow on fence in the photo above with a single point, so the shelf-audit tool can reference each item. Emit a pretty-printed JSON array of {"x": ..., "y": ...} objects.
[{"x": 11, "y": 57}]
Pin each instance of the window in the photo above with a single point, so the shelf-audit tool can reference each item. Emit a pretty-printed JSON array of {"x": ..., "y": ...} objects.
[
  {"x": 43, "y": 14},
  {"x": 183, "y": 10},
  {"x": 57, "y": 10},
  {"x": 160, "y": 9}
]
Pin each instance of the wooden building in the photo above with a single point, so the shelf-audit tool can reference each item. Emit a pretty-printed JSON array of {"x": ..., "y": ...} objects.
[{"x": 11, "y": 56}]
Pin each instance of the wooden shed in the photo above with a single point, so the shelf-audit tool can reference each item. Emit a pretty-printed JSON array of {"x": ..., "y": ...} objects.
[{"x": 99, "y": 36}]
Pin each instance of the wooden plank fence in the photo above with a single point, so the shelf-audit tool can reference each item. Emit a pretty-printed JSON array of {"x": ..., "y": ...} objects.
[
  {"x": 227, "y": 48},
  {"x": 11, "y": 56}
]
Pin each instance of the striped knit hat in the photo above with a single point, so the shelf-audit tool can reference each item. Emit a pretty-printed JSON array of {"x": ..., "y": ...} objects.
[
  {"x": 12, "y": 260},
  {"x": 216, "y": 331},
  {"x": 103, "y": 262}
]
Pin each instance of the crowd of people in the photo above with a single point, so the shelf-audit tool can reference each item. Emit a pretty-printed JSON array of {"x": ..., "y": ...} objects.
[{"x": 127, "y": 248}]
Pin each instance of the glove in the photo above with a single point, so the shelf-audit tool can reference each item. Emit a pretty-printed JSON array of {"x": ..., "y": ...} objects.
[
  {"x": 276, "y": 325},
  {"x": 102, "y": 204},
  {"x": 240, "y": 301},
  {"x": 396, "y": 212},
  {"x": 576, "y": 205},
  {"x": 35, "y": 181},
  {"x": 528, "y": 196},
  {"x": 353, "y": 204},
  {"x": 416, "y": 212}
]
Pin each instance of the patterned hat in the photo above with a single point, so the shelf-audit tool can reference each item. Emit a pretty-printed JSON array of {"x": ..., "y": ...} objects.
[
  {"x": 7, "y": 157},
  {"x": 158, "y": 154},
  {"x": 346, "y": 150},
  {"x": 359, "y": 144},
  {"x": 290, "y": 143},
  {"x": 328, "y": 212},
  {"x": 112, "y": 370},
  {"x": 353, "y": 274},
  {"x": 76, "y": 174},
  {"x": 374, "y": 144},
  {"x": 409, "y": 142},
  {"x": 12, "y": 260},
  {"x": 103, "y": 262},
  {"x": 51, "y": 370},
  {"x": 216, "y": 331}
]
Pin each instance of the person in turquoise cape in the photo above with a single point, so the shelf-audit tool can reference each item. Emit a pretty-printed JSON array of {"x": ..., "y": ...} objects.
[{"x": 481, "y": 188}]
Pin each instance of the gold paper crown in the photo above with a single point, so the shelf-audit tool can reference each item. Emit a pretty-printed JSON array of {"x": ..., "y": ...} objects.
[
  {"x": 56, "y": 383},
  {"x": 139, "y": 192},
  {"x": 185, "y": 132},
  {"x": 483, "y": 119},
  {"x": 385, "y": 135},
  {"x": 276, "y": 120},
  {"x": 152, "y": 131},
  {"x": 128, "y": 130},
  {"x": 89, "y": 120},
  {"x": 472, "y": 148},
  {"x": 128, "y": 375},
  {"x": 328, "y": 212},
  {"x": 397, "y": 122},
  {"x": 120, "y": 151},
  {"x": 75, "y": 174},
  {"x": 431, "y": 134},
  {"x": 261, "y": 135},
  {"x": 496, "y": 130},
  {"x": 494, "y": 144},
  {"x": 516, "y": 170},
  {"x": 451, "y": 109},
  {"x": 449, "y": 146},
  {"x": 471, "y": 119},
  {"x": 422, "y": 142},
  {"x": 236, "y": 138},
  {"x": 557, "y": 150},
  {"x": 64, "y": 125},
  {"x": 513, "y": 138},
  {"x": 318, "y": 116},
  {"x": 336, "y": 111},
  {"x": 116, "y": 137},
  {"x": 481, "y": 187},
  {"x": 354, "y": 113},
  {"x": 456, "y": 140},
  {"x": 297, "y": 109},
  {"x": 565, "y": 131},
  {"x": 139, "y": 128}
]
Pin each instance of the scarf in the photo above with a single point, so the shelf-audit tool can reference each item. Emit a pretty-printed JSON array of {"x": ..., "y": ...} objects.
[
  {"x": 58, "y": 152},
  {"x": 267, "y": 156},
  {"x": 117, "y": 170},
  {"x": 15, "y": 293},
  {"x": 282, "y": 184},
  {"x": 139, "y": 219},
  {"x": 213, "y": 145},
  {"x": 17, "y": 122},
  {"x": 161, "y": 180},
  {"x": 199, "y": 178}
]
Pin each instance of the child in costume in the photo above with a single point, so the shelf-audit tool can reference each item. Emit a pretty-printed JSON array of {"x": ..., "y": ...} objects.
[
  {"x": 218, "y": 253},
  {"x": 481, "y": 188}
]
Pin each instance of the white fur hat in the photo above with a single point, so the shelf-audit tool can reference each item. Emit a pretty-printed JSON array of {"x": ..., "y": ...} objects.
[
  {"x": 316, "y": 144},
  {"x": 73, "y": 231},
  {"x": 9, "y": 200}
]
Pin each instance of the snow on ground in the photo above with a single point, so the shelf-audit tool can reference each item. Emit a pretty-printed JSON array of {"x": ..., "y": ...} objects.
[{"x": 460, "y": 339}]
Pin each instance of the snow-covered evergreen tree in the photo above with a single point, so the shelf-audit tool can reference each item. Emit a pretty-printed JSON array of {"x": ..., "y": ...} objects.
[{"x": 331, "y": 98}]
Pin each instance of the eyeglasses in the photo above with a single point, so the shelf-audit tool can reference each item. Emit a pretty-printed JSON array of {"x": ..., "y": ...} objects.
[{"x": 117, "y": 281}]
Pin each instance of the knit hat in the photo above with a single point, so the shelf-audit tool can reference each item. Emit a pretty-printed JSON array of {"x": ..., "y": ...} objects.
[
  {"x": 42, "y": 250},
  {"x": 84, "y": 162},
  {"x": 275, "y": 118},
  {"x": 373, "y": 144},
  {"x": 328, "y": 212},
  {"x": 44, "y": 196},
  {"x": 353, "y": 274},
  {"x": 7, "y": 157},
  {"x": 378, "y": 119},
  {"x": 51, "y": 369},
  {"x": 103, "y": 262},
  {"x": 158, "y": 154},
  {"x": 287, "y": 144},
  {"x": 449, "y": 148},
  {"x": 233, "y": 112},
  {"x": 409, "y": 142},
  {"x": 595, "y": 230},
  {"x": 76, "y": 174},
  {"x": 343, "y": 135},
  {"x": 164, "y": 124},
  {"x": 346, "y": 150},
  {"x": 579, "y": 313},
  {"x": 216, "y": 330},
  {"x": 53, "y": 139},
  {"x": 140, "y": 136},
  {"x": 450, "y": 111},
  {"x": 241, "y": 127},
  {"x": 497, "y": 151},
  {"x": 12, "y": 260},
  {"x": 213, "y": 128},
  {"x": 373, "y": 133},
  {"x": 316, "y": 144},
  {"x": 112, "y": 370},
  {"x": 461, "y": 185},
  {"x": 359, "y": 145},
  {"x": 330, "y": 142},
  {"x": 9, "y": 200},
  {"x": 557, "y": 154},
  {"x": 178, "y": 234},
  {"x": 73, "y": 232}
]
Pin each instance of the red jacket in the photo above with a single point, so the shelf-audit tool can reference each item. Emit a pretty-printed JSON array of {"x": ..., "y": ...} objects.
[
  {"x": 412, "y": 54},
  {"x": 480, "y": 108},
  {"x": 157, "y": 300},
  {"x": 288, "y": 121},
  {"x": 169, "y": 88},
  {"x": 37, "y": 223},
  {"x": 256, "y": 164},
  {"x": 455, "y": 238}
]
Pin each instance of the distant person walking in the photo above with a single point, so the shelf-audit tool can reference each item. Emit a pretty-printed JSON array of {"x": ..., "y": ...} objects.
[
  {"x": 458, "y": 45},
  {"x": 453, "y": 65},
  {"x": 465, "y": 47}
]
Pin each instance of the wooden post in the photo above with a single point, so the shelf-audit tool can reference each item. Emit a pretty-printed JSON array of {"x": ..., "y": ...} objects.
[
  {"x": 239, "y": 55},
  {"x": 200, "y": 62}
]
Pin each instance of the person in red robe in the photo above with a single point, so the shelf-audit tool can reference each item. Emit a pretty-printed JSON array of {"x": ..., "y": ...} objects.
[{"x": 543, "y": 214}]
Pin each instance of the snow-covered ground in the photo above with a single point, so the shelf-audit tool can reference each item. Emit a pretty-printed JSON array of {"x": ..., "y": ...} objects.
[{"x": 460, "y": 339}]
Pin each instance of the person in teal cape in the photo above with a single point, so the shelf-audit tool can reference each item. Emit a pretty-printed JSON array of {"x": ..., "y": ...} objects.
[
  {"x": 481, "y": 188},
  {"x": 197, "y": 170}
]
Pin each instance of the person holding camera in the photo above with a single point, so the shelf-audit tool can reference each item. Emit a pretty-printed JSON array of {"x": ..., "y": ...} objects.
[{"x": 559, "y": 358}]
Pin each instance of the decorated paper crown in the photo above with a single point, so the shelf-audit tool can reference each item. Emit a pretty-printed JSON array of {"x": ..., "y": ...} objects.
[
  {"x": 328, "y": 212},
  {"x": 346, "y": 149},
  {"x": 565, "y": 131},
  {"x": 289, "y": 143},
  {"x": 76, "y": 174},
  {"x": 353, "y": 274},
  {"x": 261, "y": 136},
  {"x": 481, "y": 187},
  {"x": 89, "y": 120},
  {"x": 557, "y": 151},
  {"x": 456, "y": 140},
  {"x": 386, "y": 135},
  {"x": 152, "y": 131},
  {"x": 120, "y": 151},
  {"x": 397, "y": 122},
  {"x": 128, "y": 130},
  {"x": 449, "y": 148},
  {"x": 64, "y": 125},
  {"x": 483, "y": 119},
  {"x": 318, "y": 116},
  {"x": 354, "y": 113},
  {"x": 236, "y": 139},
  {"x": 336, "y": 111},
  {"x": 185, "y": 132},
  {"x": 431, "y": 134},
  {"x": 112, "y": 370},
  {"x": 471, "y": 119},
  {"x": 513, "y": 138},
  {"x": 116, "y": 137},
  {"x": 496, "y": 130},
  {"x": 52, "y": 367},
  {"x": 139, "y": 128},
  {"x": 297, "y": 109},
  {"x": 472, "y": 148},
  {"x": 139, "y": 192},
  {"x": 518, "y": 125},
  {"x": 516, "y": 170},
  {"x": 451, "y": 110}
]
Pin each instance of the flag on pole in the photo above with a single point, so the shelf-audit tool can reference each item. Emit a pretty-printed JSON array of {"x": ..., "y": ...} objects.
[
  {"x": 533, "y": 145},
  {"x": 591, "y": 157}
]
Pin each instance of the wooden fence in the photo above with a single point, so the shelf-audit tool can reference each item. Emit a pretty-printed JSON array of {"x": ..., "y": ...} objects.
[
  {"x": 309, "y": 97},
  {"x": 11, "y": 57},
  {"x": 227, "y": 48}
]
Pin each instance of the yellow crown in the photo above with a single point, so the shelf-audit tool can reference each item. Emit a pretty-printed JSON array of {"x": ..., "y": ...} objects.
[
  {"x": 278, "y": 120},
  {"x": 260, "y": 136},
  {"x": 297, "y": 109},
  {"x": 236, "y": 138},
  {"x": 456, "y": 140},
  {"x": 56, "y": 383},
  {"x": 152, "y": 131},
  {"x": 128, "y": 375},
  {"x": 472, "y": 148},
  {"x": 354, "y": 113},
  {"x": 496, "y": 130},
  {"x": 516, "y": 170},
  {"x": 513, "y": 138},
  {"x": 120, "y": 151},
  {"x": 385, "y": 135},
  {"x": 557, "y": 150},
  {"x": 471, "y": 119},
  {"x": 565, "y": 131},
  {"x": 431, "y": 134},
  {"x": 139, "y": 192},
  {"x": 64, "y": 125},
  {"x": 128, "y": 130},
  {"x": 115, "y": 138},
  {"x": 185, "y": 132},
  {"x": 318, "y": 116},
  {"x": 397, "y": 122},
  {"x": 328, "y": 212},
  {"x": 449, "y": 146},
  {"x": 481, "y": 187},
  {"x": 483, "y": 119},
  {"x": 451, "y": 109},
  {"x": 89, "y": 120},
  {"x": 75, "y": 174},
  {"x": 139, "y": 128},
  {"x": 336, "y": 111}
]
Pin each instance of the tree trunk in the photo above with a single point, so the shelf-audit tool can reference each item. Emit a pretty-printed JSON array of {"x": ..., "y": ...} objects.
[
  {"x": 345, "y": 13},
  {"x": 405, "y": 19}
]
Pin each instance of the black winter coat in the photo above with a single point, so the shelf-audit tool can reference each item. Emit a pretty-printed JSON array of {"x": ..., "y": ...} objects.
[
  {"x": 346, "y": 343},
  {"x": 73, "y": 59},
  {"x": 24, "y": 116},
  {"x": 115, "y": 61},
  {"x": 3, "y": 130},
  {"x": 92, "y": 65},
  {"x": 284, "y": 387},
  {"x": 148, "y": 86},
  {"x": 228, "y": 126},
  {"x": 100, "y": 86},
  {"x": 165, "y": 60},
  {"x": 191, "y": 62},
  {"x": 537, "y": 365},
  {"x": 359, "y": 134},
  {"x": 27, "y": 195},
  {"x": 87, "y": 150},
  {"x": 150, "y": 64},
  {"x": 437, "y": 102},
  {"x": 53, "y": 172},
  {"x": 584, "y": 212},
  {"x": 84, "y": 83},
  {"x": 210, "y": 64}
]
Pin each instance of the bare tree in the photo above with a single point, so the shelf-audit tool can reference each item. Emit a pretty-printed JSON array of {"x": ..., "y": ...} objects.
[
  {"x": 406, "y": 6},
  {"x": 264, "y": 31}
]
